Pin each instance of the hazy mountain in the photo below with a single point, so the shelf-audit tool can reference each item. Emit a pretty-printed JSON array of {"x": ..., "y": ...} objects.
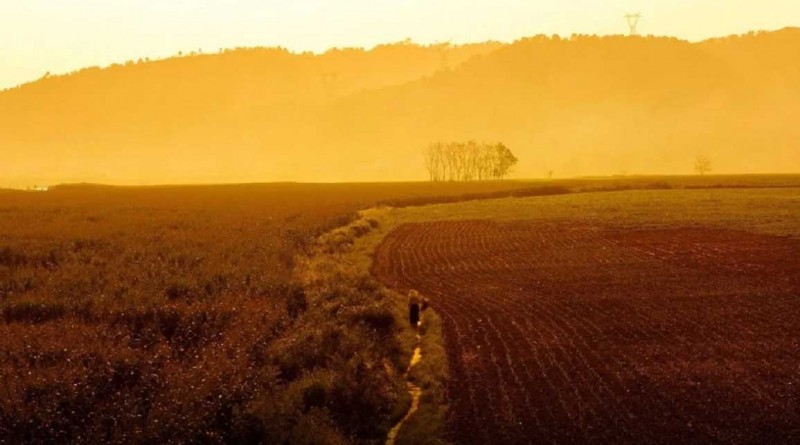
[
  {"x": 593, "y": 105},
  {"x": 239, "y": 115},
  {"x": 579, "y": 106}
]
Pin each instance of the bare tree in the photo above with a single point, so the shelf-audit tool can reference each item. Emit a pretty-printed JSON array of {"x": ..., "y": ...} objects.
[
  {"x": 505, "y": 160},
  {"x": 440, "y": 163},
  {"x": 467, "y": 161},
  {"x": 702, "y": 164},
  {"x": 431, "y": 155},
  {"x": 449, "y": 157}
]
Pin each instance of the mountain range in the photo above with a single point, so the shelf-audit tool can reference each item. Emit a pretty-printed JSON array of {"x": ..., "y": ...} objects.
[{"x": 584, "y": 105}]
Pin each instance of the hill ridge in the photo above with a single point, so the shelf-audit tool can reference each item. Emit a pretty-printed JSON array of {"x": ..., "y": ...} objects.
[{"x": 584, "y": 105}]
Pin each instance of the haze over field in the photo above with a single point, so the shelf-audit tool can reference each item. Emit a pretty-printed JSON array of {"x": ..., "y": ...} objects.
[{"x": 399, "y": 222}]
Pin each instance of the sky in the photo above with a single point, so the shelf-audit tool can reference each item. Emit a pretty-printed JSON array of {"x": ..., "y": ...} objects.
[{"x": 58, "y": 36}]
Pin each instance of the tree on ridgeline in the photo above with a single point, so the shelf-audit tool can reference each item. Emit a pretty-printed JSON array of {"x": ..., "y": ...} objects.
[
  {"x": 468, "y": 161},
  {"x": 702, "y": 165}
]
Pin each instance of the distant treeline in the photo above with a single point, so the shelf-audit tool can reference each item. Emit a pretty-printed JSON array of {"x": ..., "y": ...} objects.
[{"x": 468, "y": 161}]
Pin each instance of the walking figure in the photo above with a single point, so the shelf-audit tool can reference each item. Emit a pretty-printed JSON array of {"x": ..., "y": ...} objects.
[{"x": 413, "y": 308}]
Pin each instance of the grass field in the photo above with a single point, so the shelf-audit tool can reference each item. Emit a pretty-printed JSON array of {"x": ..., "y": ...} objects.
[
  {"x": 642, "y": 316},
  {"x": 765, "y": 210}
]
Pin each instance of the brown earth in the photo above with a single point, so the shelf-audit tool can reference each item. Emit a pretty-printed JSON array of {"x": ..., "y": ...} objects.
[{"x": 577, "y": 333}]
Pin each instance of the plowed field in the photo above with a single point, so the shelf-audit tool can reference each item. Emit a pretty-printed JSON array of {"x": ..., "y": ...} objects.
[{"x": 573, "y": 333}]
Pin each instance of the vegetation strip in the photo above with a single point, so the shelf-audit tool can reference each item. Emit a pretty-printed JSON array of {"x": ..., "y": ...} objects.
[{"x": 349, "y": 250}]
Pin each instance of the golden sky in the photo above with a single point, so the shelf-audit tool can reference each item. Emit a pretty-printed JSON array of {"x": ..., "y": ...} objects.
[{"x": 37, "y": 36}]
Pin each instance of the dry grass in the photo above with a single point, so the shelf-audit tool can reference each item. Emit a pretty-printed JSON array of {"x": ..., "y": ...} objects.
[{"x": 172, "y": 315}]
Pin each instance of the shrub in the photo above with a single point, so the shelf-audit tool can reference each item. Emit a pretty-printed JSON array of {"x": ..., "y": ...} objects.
[
  {"x": 12, "y": 258},
  {"x": 178, "y": 291},
  {"x": 296, "y": 302},
  {"x": 33, "y": 312},
  {"x": 377, "y": 318}
]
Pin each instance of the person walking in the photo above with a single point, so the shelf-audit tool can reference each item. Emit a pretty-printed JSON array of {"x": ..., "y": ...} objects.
[{"x": 414, "y": 308}]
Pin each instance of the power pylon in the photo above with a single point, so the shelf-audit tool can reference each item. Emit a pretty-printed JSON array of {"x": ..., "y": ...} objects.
[{"x": 633, "y": 21}]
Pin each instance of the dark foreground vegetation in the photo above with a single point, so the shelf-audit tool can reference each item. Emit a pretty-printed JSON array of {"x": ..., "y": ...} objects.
[{"x": 172, "y": 315}]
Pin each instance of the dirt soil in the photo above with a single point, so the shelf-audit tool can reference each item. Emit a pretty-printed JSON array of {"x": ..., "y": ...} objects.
[{"x": 572, "y": 333}]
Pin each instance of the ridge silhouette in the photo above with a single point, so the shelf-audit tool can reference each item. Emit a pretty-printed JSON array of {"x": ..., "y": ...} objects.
[{"x": 585, "y": 105}]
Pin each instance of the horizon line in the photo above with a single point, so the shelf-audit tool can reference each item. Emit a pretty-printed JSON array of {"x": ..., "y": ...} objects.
[{"x": 50, "y": 187}]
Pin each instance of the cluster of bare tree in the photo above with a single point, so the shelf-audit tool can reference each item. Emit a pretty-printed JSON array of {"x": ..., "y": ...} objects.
[{"x": 468, "y": 161}]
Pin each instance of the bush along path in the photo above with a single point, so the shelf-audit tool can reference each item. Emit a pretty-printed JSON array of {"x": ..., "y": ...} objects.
[{"x": 361, "y": 360}]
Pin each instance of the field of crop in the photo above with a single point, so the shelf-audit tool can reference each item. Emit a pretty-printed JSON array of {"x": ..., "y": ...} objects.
[
  {"x": 632, "y": 317},
  {"x": 171, "y": 315},
  {"x": 175, "y": 314}
]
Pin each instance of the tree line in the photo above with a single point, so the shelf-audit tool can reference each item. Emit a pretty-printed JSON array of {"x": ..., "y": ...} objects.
[{"x": 468, "y": 161}]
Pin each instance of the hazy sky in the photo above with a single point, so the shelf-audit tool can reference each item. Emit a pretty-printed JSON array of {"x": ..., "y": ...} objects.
[{"x": 61, "y": 35}]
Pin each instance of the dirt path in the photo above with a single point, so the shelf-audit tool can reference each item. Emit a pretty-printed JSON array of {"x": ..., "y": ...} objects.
[{"x": 413, "y": 390}]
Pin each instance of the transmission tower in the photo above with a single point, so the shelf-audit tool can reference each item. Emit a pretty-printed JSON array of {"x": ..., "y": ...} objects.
[{"x": 633, "y": 21}]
